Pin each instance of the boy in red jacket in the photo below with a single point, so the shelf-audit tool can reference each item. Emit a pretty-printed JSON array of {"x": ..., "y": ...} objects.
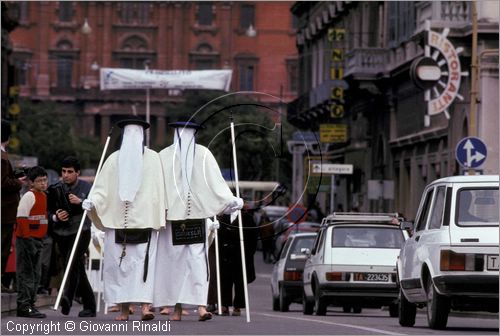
[{"x": 31, "y": 227}]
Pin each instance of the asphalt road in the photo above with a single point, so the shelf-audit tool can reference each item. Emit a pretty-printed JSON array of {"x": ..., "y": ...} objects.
[{"x": 263, "y": 321}]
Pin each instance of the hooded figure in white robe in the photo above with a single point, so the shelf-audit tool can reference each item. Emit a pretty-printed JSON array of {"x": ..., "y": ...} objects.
[
  {"x": 195, "y": 190},
  {"x": 129, "y": 194}
]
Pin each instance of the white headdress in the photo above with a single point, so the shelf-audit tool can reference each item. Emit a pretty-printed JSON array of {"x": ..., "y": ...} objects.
[{"x": 130, "y": 161}]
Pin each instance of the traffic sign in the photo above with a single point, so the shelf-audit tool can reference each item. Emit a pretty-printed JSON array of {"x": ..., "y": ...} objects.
[
  {"x": 471, "y": 152},
  {"x": 332, "y": 168}
]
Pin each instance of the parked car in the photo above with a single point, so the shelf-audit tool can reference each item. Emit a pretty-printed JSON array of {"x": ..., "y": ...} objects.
[
  {"x": 352, "y": 263},
  {"x": 294, "y": 228},
  {"x": 286, "y": 278},
  {"x": 451, "y": 261}
]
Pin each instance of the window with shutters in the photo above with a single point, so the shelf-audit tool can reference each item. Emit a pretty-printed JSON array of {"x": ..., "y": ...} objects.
[
  {"x": 205, "y": 14},
  {"x": 247, "y": 16}
]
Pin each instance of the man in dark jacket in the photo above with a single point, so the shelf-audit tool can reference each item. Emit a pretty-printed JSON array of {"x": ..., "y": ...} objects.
[
  {"x": 65, "y": 210},
  {"x": 231, "y": 271},
  {"x": 10, "y": 198}
]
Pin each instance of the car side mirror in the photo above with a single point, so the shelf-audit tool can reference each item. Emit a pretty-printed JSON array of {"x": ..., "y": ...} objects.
[
  {"x": 406, "y": 225},
  {"x": 305, "y": 251}
]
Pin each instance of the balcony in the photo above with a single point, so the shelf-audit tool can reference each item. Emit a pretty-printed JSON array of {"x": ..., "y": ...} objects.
[
  {"x": 450, "y": 14},
  {"x": 366, "y": 63}
]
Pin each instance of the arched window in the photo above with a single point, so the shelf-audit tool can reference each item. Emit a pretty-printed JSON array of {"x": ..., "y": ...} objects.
[{"x": 133, "y": 53}]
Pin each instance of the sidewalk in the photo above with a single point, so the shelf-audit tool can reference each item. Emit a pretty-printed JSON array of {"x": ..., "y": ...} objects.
[{"x": 9, "y": 302}]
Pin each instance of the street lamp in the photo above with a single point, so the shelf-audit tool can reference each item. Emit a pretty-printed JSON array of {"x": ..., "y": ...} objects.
[
  {"x": 251, "y": 32},
  {"x": 86, "y": 27}
]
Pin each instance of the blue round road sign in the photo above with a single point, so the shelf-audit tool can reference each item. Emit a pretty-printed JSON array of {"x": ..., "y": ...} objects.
[
  {"x": 297, "y": 214},
  {"x": 471, "y": 152}
]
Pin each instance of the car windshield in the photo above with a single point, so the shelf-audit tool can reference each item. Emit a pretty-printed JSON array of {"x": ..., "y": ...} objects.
[
  {"x": 298, "y": 244},
  {"x": 477, "y": 207},
  {"x": 367, "y": 237}
]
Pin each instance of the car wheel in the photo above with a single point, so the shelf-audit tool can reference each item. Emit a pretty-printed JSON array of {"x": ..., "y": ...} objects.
[
  {"x": 438, "y": 307},
  {"x": 393, "y": 310},
  {"x": 276, "y": 303},
  {"x": 407, "y": 311},
  {"x": 346, "y": 309},
  {"x": 307, "y": 305},
  {"x": 356, "y": 310},
  {"x": 283, "y": 301},
  {"x": 319, "y": 302}
]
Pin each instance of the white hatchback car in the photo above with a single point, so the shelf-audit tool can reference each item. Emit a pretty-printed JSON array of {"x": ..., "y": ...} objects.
[
  {"x": 451, "y": 261},
  {"x": 286, "y": 278},
  {"x": 352, "y": 263}
]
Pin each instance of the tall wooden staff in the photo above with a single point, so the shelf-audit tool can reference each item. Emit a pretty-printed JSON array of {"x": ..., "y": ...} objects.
[
  {"x": 240, "y": 223},
  {"x": 77, "y": 238}
]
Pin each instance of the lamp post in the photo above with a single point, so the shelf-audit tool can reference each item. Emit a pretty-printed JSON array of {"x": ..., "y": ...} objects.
[{"x": 148, "y": 113}]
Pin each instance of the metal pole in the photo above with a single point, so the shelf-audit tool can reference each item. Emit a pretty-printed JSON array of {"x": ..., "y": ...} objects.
[
  {"x": 473, "y": 78},
  {"x": 217, "y": 265},
  {"x": 240, "y": 224},
  {"x": 84, "y": 215},
  {"x": 148, "y": 113},
  {"x": 332, "y": 194}
]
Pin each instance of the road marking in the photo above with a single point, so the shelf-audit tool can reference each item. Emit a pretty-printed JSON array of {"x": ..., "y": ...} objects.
[
  {"x": 380, "y": 331},
  {"x": 263, "y": 275}
]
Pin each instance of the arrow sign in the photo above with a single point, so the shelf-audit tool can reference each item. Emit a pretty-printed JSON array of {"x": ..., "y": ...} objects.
[{"x": 471, "y": 152}]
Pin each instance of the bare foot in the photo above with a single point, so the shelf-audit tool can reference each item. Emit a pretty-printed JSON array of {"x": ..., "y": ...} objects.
[
  {"x": 165, "y": 311},
  {"x": 121, "y": 318},
  {"x": 124, "y": 312},
  {"x": 177, "y": 312}
]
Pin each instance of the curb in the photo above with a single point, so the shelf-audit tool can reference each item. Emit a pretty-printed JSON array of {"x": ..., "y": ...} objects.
[{"x": 9, "y": 302}]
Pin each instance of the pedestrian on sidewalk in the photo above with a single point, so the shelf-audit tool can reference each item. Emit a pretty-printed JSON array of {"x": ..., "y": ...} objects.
[
  {"x": 31, "y": 228},
  {"x": 65, "y": 209}
]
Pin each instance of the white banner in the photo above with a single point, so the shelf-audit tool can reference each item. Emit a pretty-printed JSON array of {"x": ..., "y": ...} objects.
[{"x": 125, "y": 79}]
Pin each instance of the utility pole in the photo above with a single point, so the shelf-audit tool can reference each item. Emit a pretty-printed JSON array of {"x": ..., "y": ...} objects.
[{"x": 474, "y": 75}]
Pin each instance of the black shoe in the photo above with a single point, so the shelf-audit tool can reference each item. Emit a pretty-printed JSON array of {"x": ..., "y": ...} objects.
[
  {"x": 211, "y": 308},
  {"x": 65, "y": 305},
  {"x": 42, "y": 291},
  {"x": 86, "y": 313},
  {"x": 30, "y": 312}
]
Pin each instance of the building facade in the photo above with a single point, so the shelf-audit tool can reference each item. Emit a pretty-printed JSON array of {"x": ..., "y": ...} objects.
[
  {"x": 59, "y": 47},
  {"x": 360, "y": 94}
]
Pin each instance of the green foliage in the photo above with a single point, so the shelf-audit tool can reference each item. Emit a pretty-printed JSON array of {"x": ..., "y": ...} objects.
[
  {"x": 260, "y": 142},
  {"x": 48, "y": 135}
]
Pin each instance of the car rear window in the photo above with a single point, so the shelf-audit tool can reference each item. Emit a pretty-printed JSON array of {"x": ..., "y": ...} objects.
[
  {"x": 298, "y": 244},
  {"x": 367, "y": 237},
  {"x": 477, "y": 207}
]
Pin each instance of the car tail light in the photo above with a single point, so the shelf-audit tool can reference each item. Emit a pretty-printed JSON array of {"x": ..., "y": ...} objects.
[
  {"x": 292, "y": 276},
  {"x": 452, "y": 261},
  {"x": 337, "y": 276}
]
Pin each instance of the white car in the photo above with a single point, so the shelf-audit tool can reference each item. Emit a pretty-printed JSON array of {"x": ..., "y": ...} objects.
[
  {"x": 352, "y": 263},
  {"x": 286, "y": 278},
  {"x": 451, "y": 261}
]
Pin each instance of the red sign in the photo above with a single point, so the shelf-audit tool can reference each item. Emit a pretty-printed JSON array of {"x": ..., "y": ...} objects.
[{"x": 297, "y": 213}]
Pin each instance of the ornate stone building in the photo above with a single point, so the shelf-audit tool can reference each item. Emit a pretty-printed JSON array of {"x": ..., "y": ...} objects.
[
  {"x": 60, "y": 45},
  {"x": 355, "y": 65}
]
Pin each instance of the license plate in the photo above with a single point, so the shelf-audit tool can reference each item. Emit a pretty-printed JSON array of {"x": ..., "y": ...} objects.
[
  {"x": 371, "y": 277},
  {"x": 492, "y": 263}
]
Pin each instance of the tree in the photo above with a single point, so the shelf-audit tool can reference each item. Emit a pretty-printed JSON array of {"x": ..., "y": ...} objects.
[
  {"x": 48, "y": 134},
  {"x": 261, "y": 143}
]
